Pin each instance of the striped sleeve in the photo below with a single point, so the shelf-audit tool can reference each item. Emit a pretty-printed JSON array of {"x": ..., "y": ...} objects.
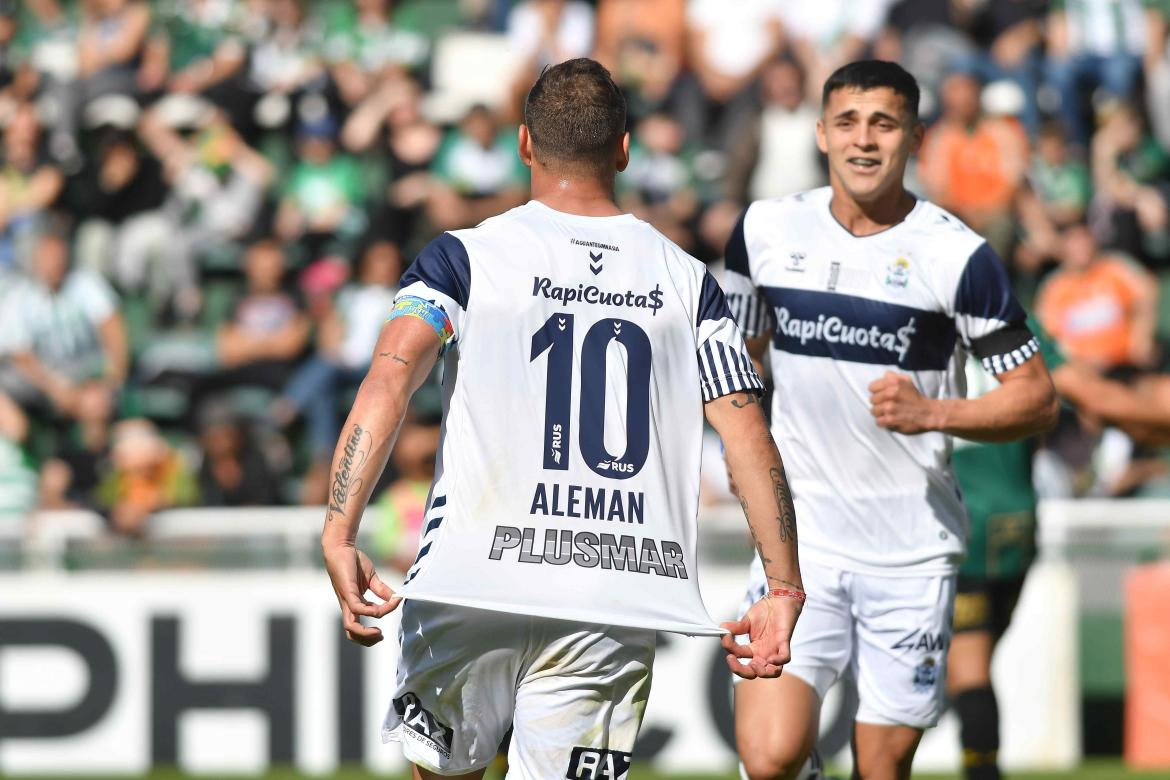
[
  {"x": 991, "y": 322},
  {"x": 440, "y": 275},
  {"x": 724, "y": 365},
  {"x": 746, "y": 304}
]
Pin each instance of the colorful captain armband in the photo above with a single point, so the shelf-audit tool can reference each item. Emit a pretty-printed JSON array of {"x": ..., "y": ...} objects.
[{"x": 429, "y": 312}]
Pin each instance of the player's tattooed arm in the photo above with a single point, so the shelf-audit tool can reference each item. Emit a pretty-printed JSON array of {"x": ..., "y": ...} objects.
[
  {"x": 395, "y": 357},
  {"x": 345, "y": 482},
  {"x": 758, "y": 480}
]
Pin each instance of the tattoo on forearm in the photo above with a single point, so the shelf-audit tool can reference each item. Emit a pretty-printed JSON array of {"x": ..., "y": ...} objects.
[
  {"x": 395, "y": 357},
  {"x": 786, "y": 513},
  {"x": 751, "y": 399},
  {"x": 345, "y": 483}
]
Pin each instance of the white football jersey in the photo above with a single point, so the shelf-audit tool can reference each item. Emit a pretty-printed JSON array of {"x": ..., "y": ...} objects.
[
  {"x": 842, "y": 310},
  {"x": 567, "y": 478}
]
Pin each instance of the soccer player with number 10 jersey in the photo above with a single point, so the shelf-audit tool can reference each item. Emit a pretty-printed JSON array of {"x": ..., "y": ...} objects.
[{"x": 581, "y": 352}]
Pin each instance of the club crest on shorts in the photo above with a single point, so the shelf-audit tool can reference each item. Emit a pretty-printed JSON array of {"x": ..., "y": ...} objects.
[
  {"x": 596, "y": 764},
  {"x": 422, "y": 726},
  {"x": 926, "y": 676}
]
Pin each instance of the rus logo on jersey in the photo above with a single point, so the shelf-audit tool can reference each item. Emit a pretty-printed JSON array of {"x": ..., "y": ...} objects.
[
  {"x": 834, "y": 330},
  {"x": 652, "y": 300}
]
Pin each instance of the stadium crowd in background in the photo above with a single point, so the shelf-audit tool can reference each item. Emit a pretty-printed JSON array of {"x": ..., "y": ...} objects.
[{"x": 205, "y": 204}]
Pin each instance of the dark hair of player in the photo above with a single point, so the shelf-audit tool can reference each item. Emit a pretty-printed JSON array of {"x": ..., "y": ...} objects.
[
  {"x": 576, "y": 116},
  {"x": 865, "y": 75}
]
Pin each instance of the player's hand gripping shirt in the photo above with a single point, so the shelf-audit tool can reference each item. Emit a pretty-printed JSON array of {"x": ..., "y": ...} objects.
[
  {"x": 842, "y": 310},
  {"x": 567, "y": 477}
]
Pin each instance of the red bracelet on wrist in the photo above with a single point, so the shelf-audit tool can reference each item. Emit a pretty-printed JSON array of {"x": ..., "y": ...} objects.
[{"x": 786, "y": 593}]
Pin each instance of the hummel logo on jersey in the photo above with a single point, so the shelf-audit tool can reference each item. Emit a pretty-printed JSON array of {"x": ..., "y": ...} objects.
[
  {"x": 422, "y": 726},
  {"x": 591, "y": 764},
  {"x": 542, "y": 285},
  {"x": 595, "y": 258},
  {"x": 835, "y": 331},
  {"x": 796, "y": 261}
]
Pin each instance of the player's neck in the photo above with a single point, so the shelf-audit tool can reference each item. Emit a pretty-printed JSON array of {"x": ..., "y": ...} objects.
[
  {"x": 586, "y": 197},
  {"x": 865, "y": 219}
]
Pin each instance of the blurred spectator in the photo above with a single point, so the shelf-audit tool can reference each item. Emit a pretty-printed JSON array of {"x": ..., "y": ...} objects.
[
  {"x": 728, "y": 45},
  {"x": 127, "y": 235},
  {"x": 826, "y": 34},
  {"x": 1056, "y": 196},
  {"x": 401, "y": 507},
  {"x": 1157, "y": 66},
  {"x": 642, "y": 42},
  {"x": 924, "y": 36},
  {"x": 29, "y": 185},
  {"x": 659, "y": 184},
  {"x": 477, "y": 173},
  {"x": 194, "y": 46},
  {"x": 266, "y": 335},
  {"x": 63, "y": 336},
  {"x": 545, "y": 32},
  {"x": 284, "y": 61},
  {"x": 363, "y": 47},
  {"x": 1101, "y": 308},
  {"x": 324, "y": 194},
  {"x": 390, "y": 123},
  {"x": 110, "y": 48},
  {"x": 146, "y": 476},
  {"x": 217, "y": 182},
  {"x": 1007, "y": 36},
  {"x": 780, "y": 154},
  {"x": 1131, "y": 172},
  {"x": 233, "y": 470},
  {"x": 972, "y": 164},
  {"x": 1094, "y": 44},
  {"x": 18, "y": 480},
  {"x": 345, "y": 346}
]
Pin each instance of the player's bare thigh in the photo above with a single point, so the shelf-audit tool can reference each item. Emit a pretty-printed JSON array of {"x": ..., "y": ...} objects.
[
  {"x": 776, "y": 724},
  {"x": 426, "y": 774},
  {"x": 969, "y": 660},
  {"x": 883, "y": 752}
]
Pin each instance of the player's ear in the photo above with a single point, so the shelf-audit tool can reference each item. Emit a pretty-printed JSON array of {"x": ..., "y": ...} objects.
[
  {"x": 916, "y": 136},
  {"x": 623, "y": 155},
  {"x": 822, "y": 142},
  {"x": 524, "y": 145}
]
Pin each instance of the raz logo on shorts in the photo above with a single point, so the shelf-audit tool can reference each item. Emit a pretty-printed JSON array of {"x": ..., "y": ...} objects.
[
  {"x": 595, "y": 764},
  {"x": 422, "y": 725}
]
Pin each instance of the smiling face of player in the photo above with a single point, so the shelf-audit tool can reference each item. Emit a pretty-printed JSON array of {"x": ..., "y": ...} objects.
[{"x": 868, "y": 136}]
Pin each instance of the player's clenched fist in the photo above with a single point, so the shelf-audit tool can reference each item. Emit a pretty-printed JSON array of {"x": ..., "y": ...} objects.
[
  {"x": 897, "y": 405},
  {"x": 352, "y": 574},
  {"x": 768, "y": 625}
]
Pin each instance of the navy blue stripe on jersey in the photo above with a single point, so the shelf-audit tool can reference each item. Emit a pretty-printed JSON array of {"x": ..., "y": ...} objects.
[
  {"x": 735, "y": 255},
  {"x": 443, "y": 266},
  {"x": 984, "y": 289},
  {"x": 438, "y": 502},
  {"x": 712, "y": 303},
  {"x": 432, "y": 525},
  {"x": 860, "y": 330},
  {"x": 725, "y": 370}
]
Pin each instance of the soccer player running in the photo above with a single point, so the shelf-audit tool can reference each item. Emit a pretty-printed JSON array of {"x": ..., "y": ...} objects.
[
  {"x": 581, "y": 350},
  {"x": 870, "y": 297}
]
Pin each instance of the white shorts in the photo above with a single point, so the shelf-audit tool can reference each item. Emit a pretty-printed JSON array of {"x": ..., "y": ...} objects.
[
  {"x": 892, "y": 633},
  {"x": 573, "y": 693}
]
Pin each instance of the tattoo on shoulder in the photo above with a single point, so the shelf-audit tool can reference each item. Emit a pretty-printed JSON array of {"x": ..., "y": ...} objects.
[
  {"x": 345, "y": 482},
  {"x": 751, "y": 399}
]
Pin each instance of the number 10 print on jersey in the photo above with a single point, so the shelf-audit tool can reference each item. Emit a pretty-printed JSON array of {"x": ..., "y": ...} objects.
[{"x": 556, "y": 338}]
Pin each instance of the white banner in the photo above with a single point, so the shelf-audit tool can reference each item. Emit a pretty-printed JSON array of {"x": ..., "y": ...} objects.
[{"x": 227, "y": 673}]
